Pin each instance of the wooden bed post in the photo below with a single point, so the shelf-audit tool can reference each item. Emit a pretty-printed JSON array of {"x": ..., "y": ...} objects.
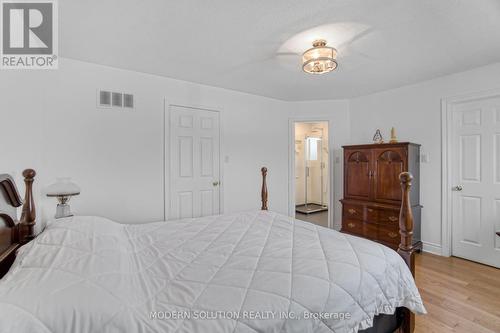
[
  {"x": 22, "y": 232},
  {"x": 406, "y": 249},
  {"x": 263, "y": 194},
  {"x": 28, "y": 215}
]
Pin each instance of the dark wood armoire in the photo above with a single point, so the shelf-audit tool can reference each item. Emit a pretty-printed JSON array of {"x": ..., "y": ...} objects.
[{"x": 372, "y": 191}]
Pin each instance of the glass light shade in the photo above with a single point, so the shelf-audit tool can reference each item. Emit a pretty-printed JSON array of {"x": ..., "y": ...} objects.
[
  {"x": 62, "y": 187},
  {"x": 320, "y": 59}
]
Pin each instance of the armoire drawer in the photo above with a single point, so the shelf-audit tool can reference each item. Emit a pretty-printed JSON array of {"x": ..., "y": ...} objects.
[
  {"x": 382, "y": 216},
  {"x": 370, "y": 231},
  {"x": 353, "y": 212},
  {"x": 389, "y": 235},
  {"x": 353, "y": 227}
]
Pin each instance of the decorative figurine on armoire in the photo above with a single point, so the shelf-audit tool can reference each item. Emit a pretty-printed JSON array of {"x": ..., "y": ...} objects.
[
  {"x": 393, "y": 136},
  {"x": 377, "y": 138}
]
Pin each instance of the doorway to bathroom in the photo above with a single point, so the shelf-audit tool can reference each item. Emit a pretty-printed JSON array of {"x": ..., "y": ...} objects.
[{"x": 311, "y": 169}]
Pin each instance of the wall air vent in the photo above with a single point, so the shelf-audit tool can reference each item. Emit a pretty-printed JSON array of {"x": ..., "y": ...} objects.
[
  {"x": 117, "y": 99},
  {"x": 128, "y": 101},
  {"x": 112, "y": 99},
  {"x": 104, "y": 99}
]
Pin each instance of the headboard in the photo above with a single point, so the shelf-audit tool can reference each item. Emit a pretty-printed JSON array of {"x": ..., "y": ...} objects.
[{"x": 14, "y": 233}]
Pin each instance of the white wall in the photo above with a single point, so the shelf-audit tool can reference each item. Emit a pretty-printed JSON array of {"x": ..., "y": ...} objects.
[
  {"x": 415, "y": 111},
  {"x": 116, "y": 156},
  {"x": 20, "y": 118}
]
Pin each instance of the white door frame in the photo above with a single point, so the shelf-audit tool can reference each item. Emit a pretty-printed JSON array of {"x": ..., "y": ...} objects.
[
  {"x": 291, "y": 165},
  {"x": 166, "y": 151},
  {"x": 446, "y": 181}
]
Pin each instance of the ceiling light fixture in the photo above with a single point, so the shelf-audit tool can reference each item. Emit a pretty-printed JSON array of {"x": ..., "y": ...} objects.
[{"x": 320, "y": 58}]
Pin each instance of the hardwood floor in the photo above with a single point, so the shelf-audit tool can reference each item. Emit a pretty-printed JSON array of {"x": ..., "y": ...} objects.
[
  {"x": 320, "y": 218},
  {"x": 459, "y": 295}
]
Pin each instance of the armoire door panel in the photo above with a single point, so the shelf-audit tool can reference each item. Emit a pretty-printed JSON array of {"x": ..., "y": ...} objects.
[
  {"x": 357, "y": 177},
  {"x": 388, "y": 163}
]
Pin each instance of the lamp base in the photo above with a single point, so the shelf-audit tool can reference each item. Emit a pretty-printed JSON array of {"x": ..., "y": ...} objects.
[{"x": 63, "y": 210}]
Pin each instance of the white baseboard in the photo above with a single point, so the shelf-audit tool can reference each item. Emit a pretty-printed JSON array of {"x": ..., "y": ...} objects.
[{"x": 432, "y": 248}]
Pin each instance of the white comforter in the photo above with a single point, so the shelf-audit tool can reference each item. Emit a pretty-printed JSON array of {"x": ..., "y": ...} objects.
[{"x": 247, "y": 272}]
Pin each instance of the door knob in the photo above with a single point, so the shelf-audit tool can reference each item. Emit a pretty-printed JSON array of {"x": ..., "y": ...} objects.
[
  {"x": 216, "y": 183},
  {"x": 457, "y": 188}
]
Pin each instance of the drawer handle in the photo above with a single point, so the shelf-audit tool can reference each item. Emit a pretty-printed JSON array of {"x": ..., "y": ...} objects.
[
  {"x": 392, "y": 234},
  {"x": 351, "y": 225},
  {"x": 370, "y": 210},
  {"x": 393, "y": 218},
  {"x": 352, "y": 211}
]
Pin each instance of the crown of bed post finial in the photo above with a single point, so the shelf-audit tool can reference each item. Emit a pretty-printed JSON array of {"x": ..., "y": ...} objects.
[
  {"x": 28, "y": 215},
  {"x": 406, "y": 178},
  {"x": 29, "y": 173},
  {"x": 264, "y": 193}
]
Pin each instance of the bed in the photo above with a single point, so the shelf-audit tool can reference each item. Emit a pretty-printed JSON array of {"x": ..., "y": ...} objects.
[{"x": 255, "y": 271}]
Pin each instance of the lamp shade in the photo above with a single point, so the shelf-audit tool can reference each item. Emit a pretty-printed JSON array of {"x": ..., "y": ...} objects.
[
  {"x": 62, "y": 187},
  {"x": 320, "y": 59}
]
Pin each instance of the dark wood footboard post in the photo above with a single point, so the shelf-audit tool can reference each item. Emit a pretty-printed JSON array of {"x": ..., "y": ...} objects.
[
  {"x": 28, "y": 216},
  {"x": 406, "y": 249},
  {"x": 263, "y": 193}
]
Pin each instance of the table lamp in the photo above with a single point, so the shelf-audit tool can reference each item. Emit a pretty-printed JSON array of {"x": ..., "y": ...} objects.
[{"x": 63, "y": 189}]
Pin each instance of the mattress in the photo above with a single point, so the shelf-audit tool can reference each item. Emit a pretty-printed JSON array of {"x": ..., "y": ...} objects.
[{"x": 246, "y": 272}]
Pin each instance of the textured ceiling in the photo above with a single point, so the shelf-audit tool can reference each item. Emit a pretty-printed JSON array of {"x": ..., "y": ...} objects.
[{"x": 254, "y": 46}]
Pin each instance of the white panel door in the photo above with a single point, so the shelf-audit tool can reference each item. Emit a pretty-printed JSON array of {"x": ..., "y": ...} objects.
[
  {"x": 194, "y": 162},
  {"x": 475, "y": 171}
]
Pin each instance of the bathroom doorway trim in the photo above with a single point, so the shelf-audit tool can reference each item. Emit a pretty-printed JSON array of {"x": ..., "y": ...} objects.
[{"x": 291, "y": 165}]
